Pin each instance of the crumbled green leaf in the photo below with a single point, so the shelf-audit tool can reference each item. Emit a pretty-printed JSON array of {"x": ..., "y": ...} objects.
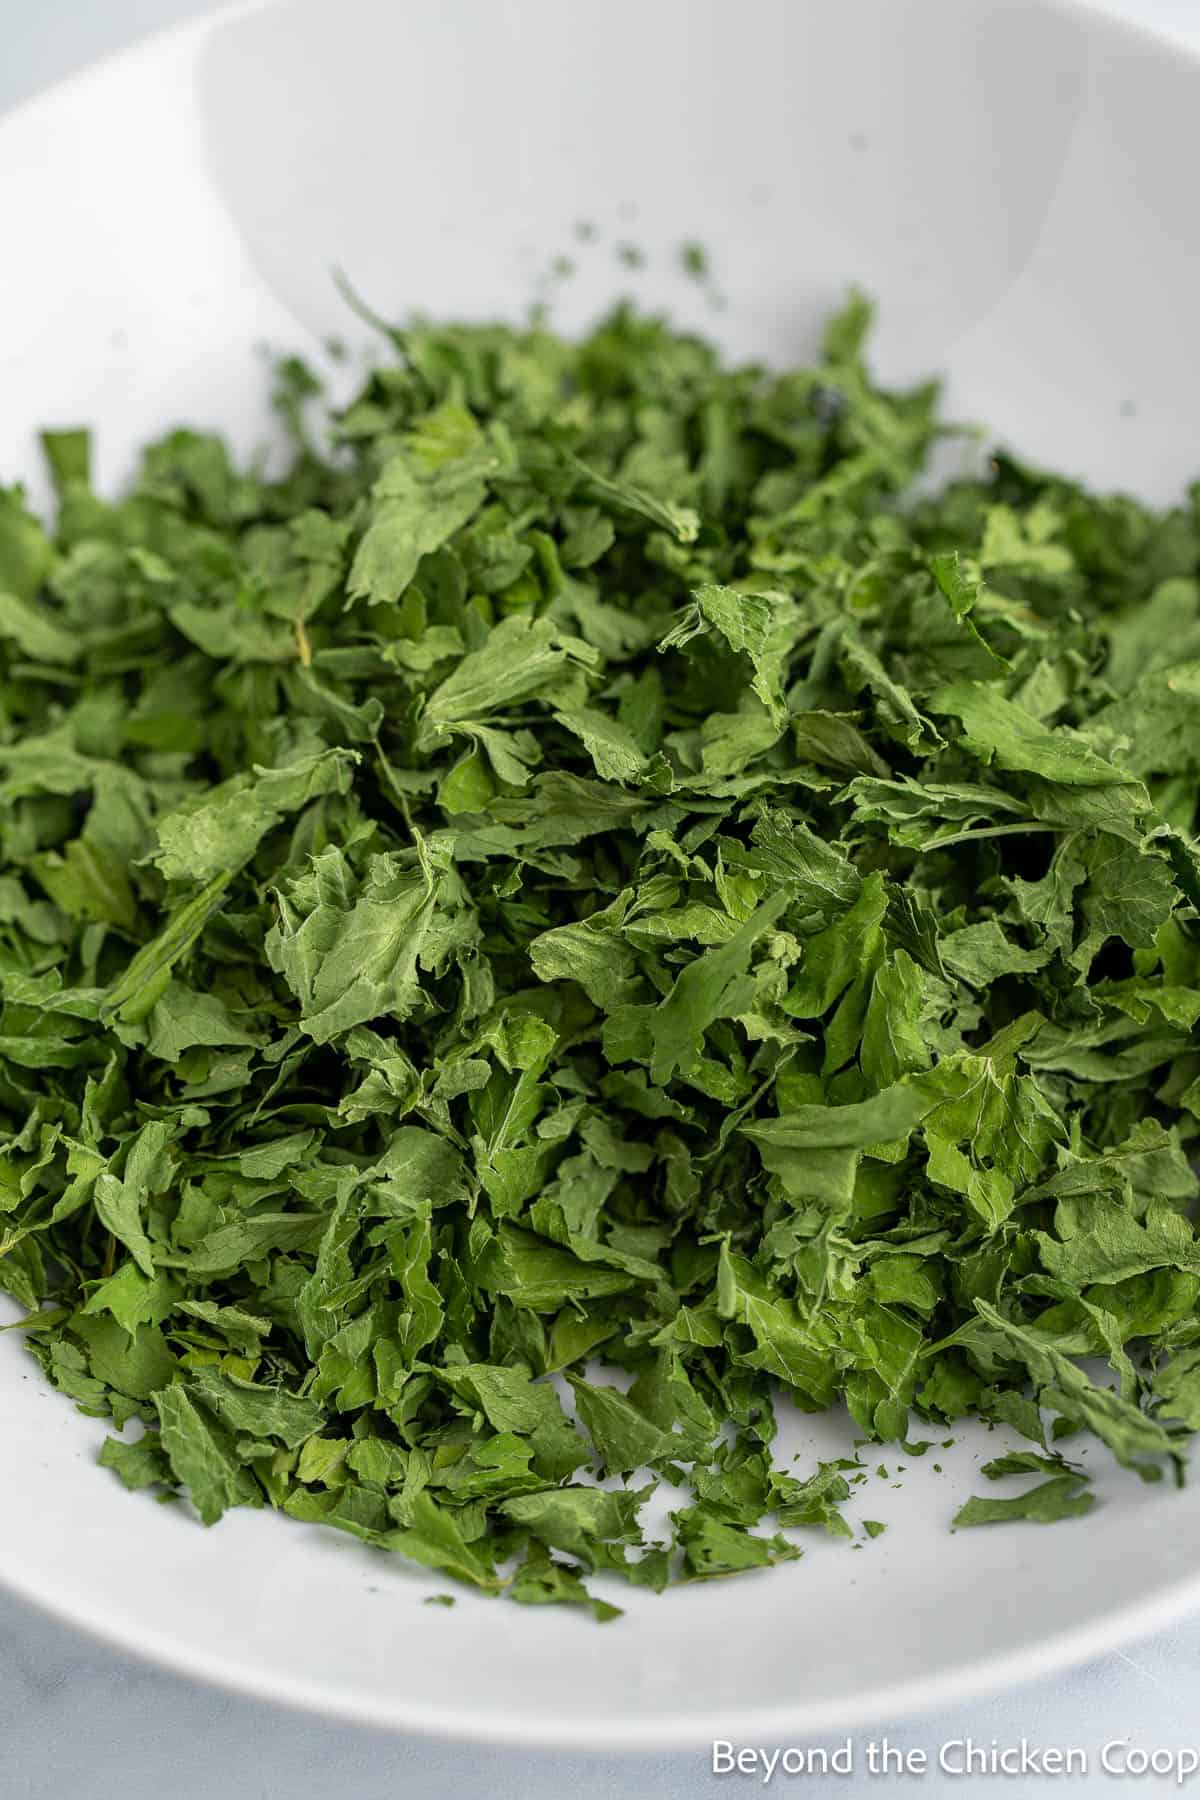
[
  {"x": 1059, "y": 1498},
  {"x": 590, "y": 902}
]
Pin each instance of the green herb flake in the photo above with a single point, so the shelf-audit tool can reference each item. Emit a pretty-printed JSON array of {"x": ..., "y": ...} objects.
[
  {"x": 592, "y": 898},
  {"x": 693, "y": 258},
  {"x": 1059, "y": 1498}
]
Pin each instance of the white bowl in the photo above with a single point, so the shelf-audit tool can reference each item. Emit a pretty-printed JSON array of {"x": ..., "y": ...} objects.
[{"x": 1015, "y": 181}]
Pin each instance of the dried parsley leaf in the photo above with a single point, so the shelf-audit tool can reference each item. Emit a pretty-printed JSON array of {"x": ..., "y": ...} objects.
[{"x": 594, "y": 864}]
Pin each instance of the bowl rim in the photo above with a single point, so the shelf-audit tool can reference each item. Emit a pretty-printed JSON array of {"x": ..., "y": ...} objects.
[{"x": 795, "y": 1722}]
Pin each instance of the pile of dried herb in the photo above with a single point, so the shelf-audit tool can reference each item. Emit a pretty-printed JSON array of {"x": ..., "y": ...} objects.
[{"x": 579, "y": 907}]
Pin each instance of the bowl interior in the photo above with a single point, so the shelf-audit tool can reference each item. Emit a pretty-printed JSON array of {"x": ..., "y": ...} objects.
[{"x": 1013, "y": 182}]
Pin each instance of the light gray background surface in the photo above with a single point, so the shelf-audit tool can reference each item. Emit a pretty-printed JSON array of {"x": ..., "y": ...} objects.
[{"x": 80, "y": 1719}]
